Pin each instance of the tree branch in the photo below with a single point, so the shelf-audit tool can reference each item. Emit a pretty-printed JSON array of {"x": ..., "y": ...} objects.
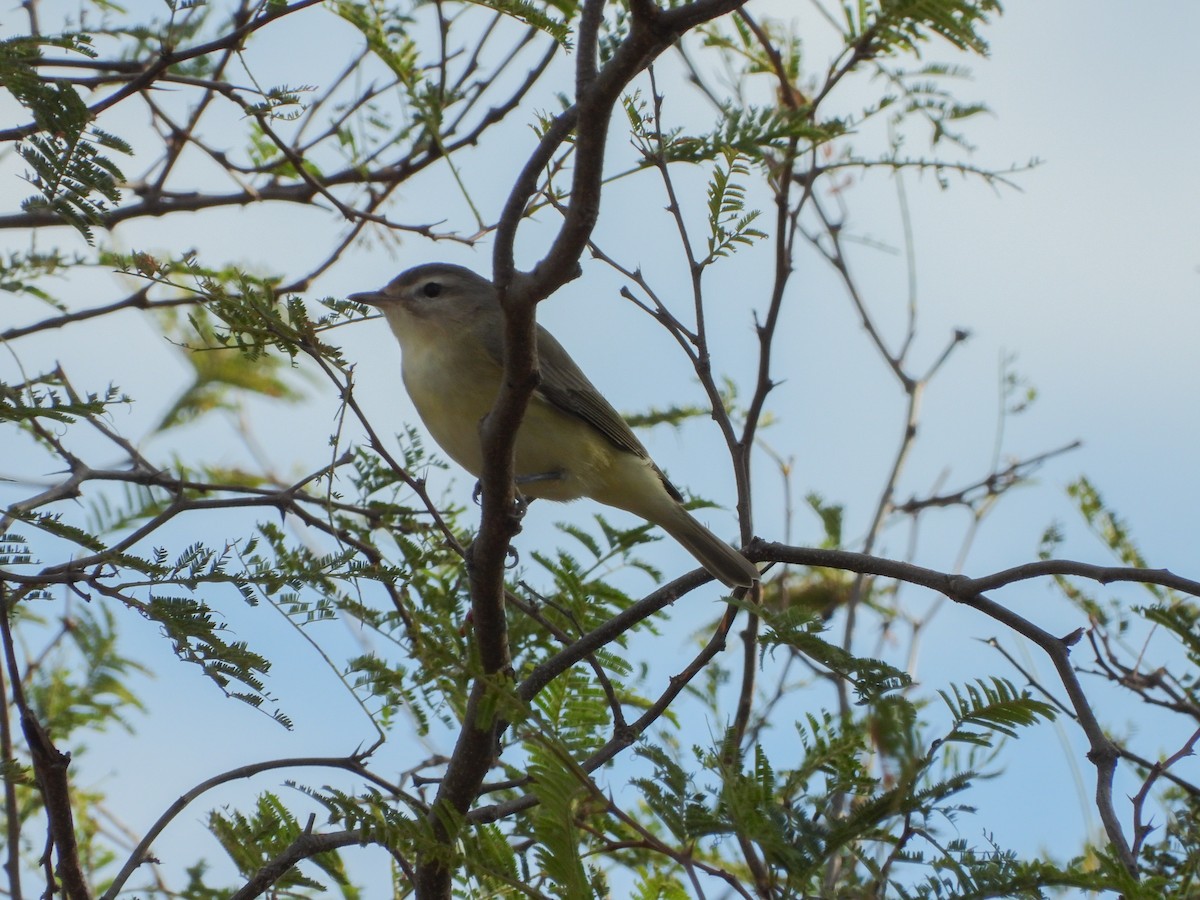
[
  {"x": 50, "y": 767},
  {"x": 352, "y": 764}
]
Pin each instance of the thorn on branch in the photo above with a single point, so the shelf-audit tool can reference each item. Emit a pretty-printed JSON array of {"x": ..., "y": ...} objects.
[{"x": 1070, "y": 640}]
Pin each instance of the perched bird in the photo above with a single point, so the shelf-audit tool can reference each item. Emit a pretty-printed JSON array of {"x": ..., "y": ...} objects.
[{"x": 571, "y": 443}]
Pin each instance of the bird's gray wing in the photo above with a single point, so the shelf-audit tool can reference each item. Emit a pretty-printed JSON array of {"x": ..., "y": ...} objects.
[{"x": 566, "y": 387}]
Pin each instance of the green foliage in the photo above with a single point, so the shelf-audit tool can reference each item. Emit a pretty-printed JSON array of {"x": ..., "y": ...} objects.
[
  {"x": 68, "y": 166},
  {"x": 196, "y": 888},
  {"x": 728, "y": 221},
  {"x": 894, "y": 803},
  {"x": 535, "y": 15},
  {"x": 553, "y": 821},
  {"x": 253, "y": 840},
  {"x": 282, "y": 103},
  {"x": 673, "y": 415},
  {"x": 831, "y": 516},
  {"x": 197, "y": 637},
  {"x": 583, "y": 598},
  {"x": 14, "y": 550},
  {"x": 372, "y": 814},
  {"x": 921, "y": 94},
  {"x": 997, "y": 707},
  {"x": 50, "y": 397},
  {"x": 757, "y": 133},
  {"x": 21, "y": 272},
  {"x": 903, "y": 26},
  {"x": 68, "y": 169},
  {"x": 386, "y": 33},
  {"x": 1106, "y": 524},
  {"x": 672, "y": 797},
  {"x": 81, "y": 680},
  {"x": 992, "y": 872},
  {"x": 240, "y": 312},
  {"x": 489, "y": 861},
  {"x": 216, "y": 373},
  {"x": 53, "y": 524},
  {"x": 572, "y": 709},
  {"x": 88, "y": 685},
  {"x": 165, "y": 27},
  {"x": 1173, "y": 855},
  {"x": 1182, "y": 620},
  {"x": 738, "y": 40},
  {"x": 796, "y": 629}
]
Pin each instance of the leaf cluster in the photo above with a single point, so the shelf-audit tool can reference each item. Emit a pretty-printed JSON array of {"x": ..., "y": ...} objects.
[{"x": 76, "y": 181}]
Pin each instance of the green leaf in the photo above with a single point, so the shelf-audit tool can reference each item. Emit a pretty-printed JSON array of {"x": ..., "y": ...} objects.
[
  {"x": 559, "y": 794},
  {"x": 74, "y": 180},
  {"x": 797, "y": 629},
  {"x": 252, "y": 841},
  {"x": 996, "y": 707},
  {"x": 728, "y": 220}
]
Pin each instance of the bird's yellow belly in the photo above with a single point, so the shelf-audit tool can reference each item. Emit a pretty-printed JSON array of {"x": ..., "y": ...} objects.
[{"x": 558, "y": 456}]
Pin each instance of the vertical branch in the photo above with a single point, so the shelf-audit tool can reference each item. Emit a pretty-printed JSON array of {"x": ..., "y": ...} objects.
[
  {"x": 913, "y": 388},
  {"x": 12, "y": 812},
  {"x": 651, "y": 32},
  {"x": 741, "y": 449},
  {"x": 500, "y": 517},
  {"x": 1103, "y": 752},
  {"x": 784, "y": 217},
  {"x": 50, "y": 769}
]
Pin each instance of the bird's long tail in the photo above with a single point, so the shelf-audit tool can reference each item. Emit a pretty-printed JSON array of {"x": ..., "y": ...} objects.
[{"x": 723, "y": 562}]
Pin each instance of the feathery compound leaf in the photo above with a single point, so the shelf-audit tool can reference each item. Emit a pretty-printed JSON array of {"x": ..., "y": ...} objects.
[
  {"x": 672, "y": 796},
  {"x": 902, "y": 26},
  {"x": 728, "y": 222},
  {"x": 198, "y": 638},
  {"x": 373, "y": 814},
  {"x": 1181, "y": 619},
  {"x": 796, "y": 628},
  {"x": 534, "y": 14},
  {"x": 74, "y": 180},
  {"x": 559, "y": 792},
  {"x": 386, "y": 37},
  {"x": 1106, "y": 523},
  {"x": 252, "y": 841},
  {"x": 14, "y": 550},
  {"x": 995, "y": 707},
  {"x": 574, "y": 711},
  {"x": 754, "y": 133},
  {"x": 48, "y": 396}
]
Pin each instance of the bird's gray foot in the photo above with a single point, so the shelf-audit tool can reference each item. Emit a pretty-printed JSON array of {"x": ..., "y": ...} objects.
[{"x": 520, "y": 501}]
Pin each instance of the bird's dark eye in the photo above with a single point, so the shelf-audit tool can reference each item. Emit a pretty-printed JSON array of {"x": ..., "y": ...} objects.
[{"x": 431, "y": 289}]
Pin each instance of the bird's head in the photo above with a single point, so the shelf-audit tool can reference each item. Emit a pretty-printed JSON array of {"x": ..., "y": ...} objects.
[{"x": 434, "y": 290}]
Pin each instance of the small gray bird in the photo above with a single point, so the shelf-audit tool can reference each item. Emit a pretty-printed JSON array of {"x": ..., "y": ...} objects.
[{"x": 571, "y": 443}]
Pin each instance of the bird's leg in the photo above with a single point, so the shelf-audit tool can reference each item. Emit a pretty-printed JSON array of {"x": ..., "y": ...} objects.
[
  {"x": 520, "y": 501},
  {"x": 523, "y": 501}
]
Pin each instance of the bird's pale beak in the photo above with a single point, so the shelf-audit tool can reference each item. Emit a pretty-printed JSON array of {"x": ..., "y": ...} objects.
[{"x": 370, "y": 298}]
